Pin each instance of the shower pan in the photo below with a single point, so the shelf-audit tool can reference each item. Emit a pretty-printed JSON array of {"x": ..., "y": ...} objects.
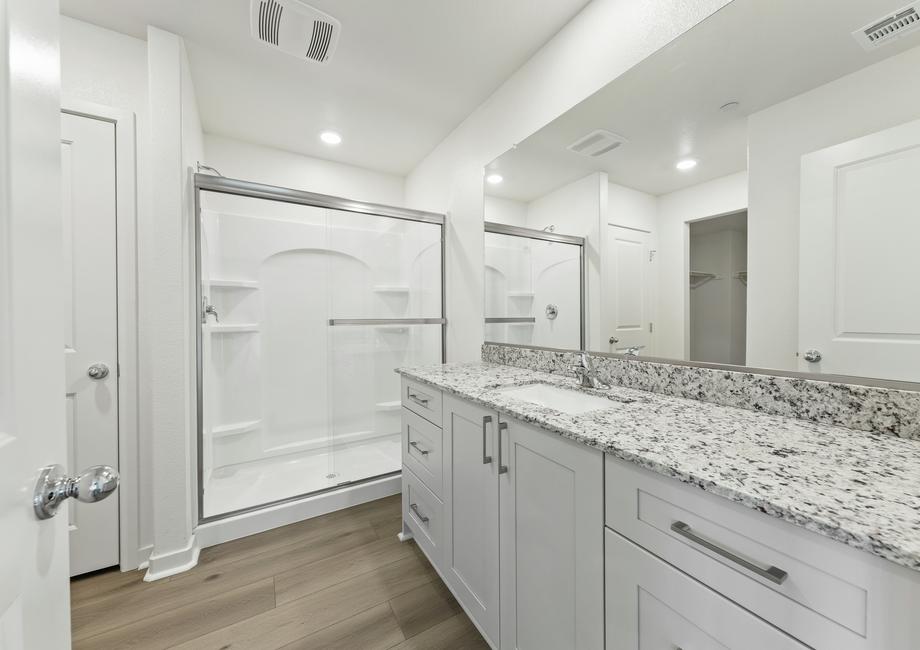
[{"x": 306, "y": 305}]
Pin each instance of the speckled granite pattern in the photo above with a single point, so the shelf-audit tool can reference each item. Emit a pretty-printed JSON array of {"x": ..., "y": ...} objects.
[
  {"x": 879, "y": 410},
  {"x": 858, "y": 488}
]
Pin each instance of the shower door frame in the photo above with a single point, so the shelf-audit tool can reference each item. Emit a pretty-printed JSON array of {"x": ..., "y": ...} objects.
[
  {"x": 233, "y": 186},
  {"x": 530, "y": 233}
]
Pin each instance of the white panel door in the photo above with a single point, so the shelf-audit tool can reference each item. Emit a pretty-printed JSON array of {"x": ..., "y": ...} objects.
[
  {"x": 552, "y": 541},
  {"x": 471, "y": 512},
  {"x": 859, "y": 296},
  {"x": 89, "y": 322},
  {"x": 628, "y": 311},
  {"x": 34, "y": 595}
]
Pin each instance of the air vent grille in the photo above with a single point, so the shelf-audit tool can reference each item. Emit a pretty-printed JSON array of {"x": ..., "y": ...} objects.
[
  {"x": 320, "y": 41},
  {"x": 889, "y": 28},
  {"x": 597, "y": 143},
  {"x": 269, "y": 21}
]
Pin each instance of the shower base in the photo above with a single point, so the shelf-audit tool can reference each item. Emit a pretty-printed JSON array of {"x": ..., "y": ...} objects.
[{"x": 248, "y": 485}]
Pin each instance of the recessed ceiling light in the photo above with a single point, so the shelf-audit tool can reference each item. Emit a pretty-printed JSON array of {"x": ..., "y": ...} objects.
[
  {"x": 330, "y": 137},
  {"x": 494, "y": 179},
  {"x": 686, "y": 165}
]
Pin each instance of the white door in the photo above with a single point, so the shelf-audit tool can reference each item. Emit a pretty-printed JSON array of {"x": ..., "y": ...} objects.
[
  {"x": 552, "y": 541},
  {"x": 859, "y": 303},
  {"x": 628, "y": 297},
  {"x": 471, "y": 512},
  {"x": 34, "y": 596},
  {"x": 89, "y": 322}
]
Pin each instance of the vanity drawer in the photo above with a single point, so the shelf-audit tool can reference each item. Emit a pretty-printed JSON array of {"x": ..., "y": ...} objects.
[
  {"x": 652, "y": 606},
  {"x": 422, "y": 399},
  {"x": 823, "y": 598},
  {"x": 424, "y": 513},
  {"x": 422, "y": 449}
]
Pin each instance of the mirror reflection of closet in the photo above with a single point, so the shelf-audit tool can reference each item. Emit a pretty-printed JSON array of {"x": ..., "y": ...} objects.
[{"x": 718, "y": 289}]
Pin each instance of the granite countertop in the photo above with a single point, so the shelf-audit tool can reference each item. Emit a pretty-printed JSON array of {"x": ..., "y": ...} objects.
[{"x": 858, "y": 488}]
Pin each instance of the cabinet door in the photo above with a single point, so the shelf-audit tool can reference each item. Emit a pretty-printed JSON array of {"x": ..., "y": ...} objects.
[
  {"x": 552, "y": 541},
  {"x": 653, "y": 606},
  {"x": 471, "y": 512}
]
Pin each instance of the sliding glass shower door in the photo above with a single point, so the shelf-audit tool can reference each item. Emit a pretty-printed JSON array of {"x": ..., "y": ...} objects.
[{"x": 306, "y": 310}]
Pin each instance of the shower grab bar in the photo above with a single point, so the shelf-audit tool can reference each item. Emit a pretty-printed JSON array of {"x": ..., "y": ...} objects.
[
  {"x": 387, "y": 321},
  {"x": 521, "y": 319}
]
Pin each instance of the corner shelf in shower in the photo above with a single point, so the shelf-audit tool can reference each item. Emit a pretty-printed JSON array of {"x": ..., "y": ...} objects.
[
  {"x": 241, "y": 328},
  {"x": 391, "y": 288},
  {"x": 389, "y": 406},
  {"x": 234, "y": 284},
  {"x": 235, "y": 428},
  {"x": 520, "y": 294}
]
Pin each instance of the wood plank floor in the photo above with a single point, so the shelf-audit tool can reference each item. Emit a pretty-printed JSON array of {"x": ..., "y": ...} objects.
[{"x": 337, "y": 581}]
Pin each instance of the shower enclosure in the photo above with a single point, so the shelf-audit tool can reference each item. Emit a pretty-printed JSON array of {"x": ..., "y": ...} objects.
[
  {"x": 534, "y": 287},
  {"x": 306, "y": 304}
]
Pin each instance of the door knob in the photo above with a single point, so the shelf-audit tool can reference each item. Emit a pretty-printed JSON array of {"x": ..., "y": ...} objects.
[
  {"x": 54, "y": 487},
  {"x": 812, "y": 356},
  {"x": 98, "y": 371},
  {"x": 614, "y": 340}
]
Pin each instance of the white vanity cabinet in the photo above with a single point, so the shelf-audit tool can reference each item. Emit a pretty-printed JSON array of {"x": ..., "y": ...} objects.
[{"x": 520, "y": 521}]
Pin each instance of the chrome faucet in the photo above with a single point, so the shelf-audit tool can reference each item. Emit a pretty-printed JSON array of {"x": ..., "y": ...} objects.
[
  {"x": 587, "y": 373},
  {"x": 633, "y": 351}
]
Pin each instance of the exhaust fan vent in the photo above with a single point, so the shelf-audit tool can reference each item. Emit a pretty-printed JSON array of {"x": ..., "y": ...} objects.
[
  {"x": 597, "y": 143},
  {"x": 889, "y": 28},
  {"x": 295, "y": 28}
]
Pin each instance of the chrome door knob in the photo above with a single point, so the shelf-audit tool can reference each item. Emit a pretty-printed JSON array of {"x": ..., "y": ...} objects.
[
  {"x": 97, "y": 371},
  {"x": 812, "y": 356},
  {"x": 54, "y": 487},
  {"x": 614, "y": 340}
]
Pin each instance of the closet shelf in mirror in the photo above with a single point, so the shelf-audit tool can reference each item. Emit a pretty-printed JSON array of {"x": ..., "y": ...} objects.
[
  {"x": 240, "y": 328},
  {"x": 235, "y": 428},
  {"x": 698, "y": 278},
  {"x": 234, "y": 284},
  {"x": 741, "y": 275}
]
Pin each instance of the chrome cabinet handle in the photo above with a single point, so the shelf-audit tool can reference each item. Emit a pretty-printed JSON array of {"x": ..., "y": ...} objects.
[
  {"x": 486, "y": 458},
  {"x": 502, "y": 469},
  {"x": 414, "y": 508},
  {"x": 97, "y": 371},
  {"x": 771, "y": 573},
  {"x": 54, "y": 487},
  {"x": 421, "y": 401},
  {"x": 423, "y": 452}
]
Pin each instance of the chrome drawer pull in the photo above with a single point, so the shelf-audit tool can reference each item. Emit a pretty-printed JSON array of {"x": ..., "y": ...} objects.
[
  {"x": 771, "y": 573},
  {"x": 502, "y": 469},
  {"x": 486, "y": 458},
  {"x": 421, "y": 401},
  {"x": 423, "y": 452},
  {"x": 414, "y": 508}
]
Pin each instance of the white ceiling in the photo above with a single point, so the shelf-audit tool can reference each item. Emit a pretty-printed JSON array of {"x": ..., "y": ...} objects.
[
  {"x": 406, "y": 72},
  {"x": 755, "y": 52}
]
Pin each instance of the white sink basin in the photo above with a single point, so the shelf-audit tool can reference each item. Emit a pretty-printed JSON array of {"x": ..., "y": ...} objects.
[{"x": 568, "y": 401}]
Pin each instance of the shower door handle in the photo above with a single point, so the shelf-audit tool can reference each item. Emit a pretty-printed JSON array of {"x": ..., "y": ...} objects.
[{"x": 486, "y": 458}]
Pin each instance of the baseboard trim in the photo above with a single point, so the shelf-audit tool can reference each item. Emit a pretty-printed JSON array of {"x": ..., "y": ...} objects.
[
  {"x": 169, "y": 564},
  {"x": 258, "y": 521}
]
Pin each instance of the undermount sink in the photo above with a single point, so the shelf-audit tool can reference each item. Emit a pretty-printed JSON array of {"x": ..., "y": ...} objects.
[{"x": 566, "y": 400}]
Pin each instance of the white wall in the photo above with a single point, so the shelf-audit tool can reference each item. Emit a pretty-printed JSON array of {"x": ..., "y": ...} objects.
[
  {"x": 675, "y": 211},
  {"x": 506, "y": 211},
  {"x": 606, "y": 39},
  {"x": 251, "y": 162},
  {"x": 108, "y": 68},
  {"x": 880, "y": 96}
]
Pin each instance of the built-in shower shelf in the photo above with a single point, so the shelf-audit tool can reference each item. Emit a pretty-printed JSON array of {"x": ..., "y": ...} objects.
[
  {"x": 234, "y": 284},
  {"x": 391, "y": 288},
  {"x": 389, "y": 406},
  {"x": 520, "y": 294},
  {"x": 235, "y": 428},
  {"x": 241, "y": 328}
]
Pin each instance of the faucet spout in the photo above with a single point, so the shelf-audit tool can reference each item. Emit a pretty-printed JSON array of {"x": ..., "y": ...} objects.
[{"x": 586, "y": 372}]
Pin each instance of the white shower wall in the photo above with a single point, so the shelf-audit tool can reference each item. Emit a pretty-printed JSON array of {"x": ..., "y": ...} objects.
[{"x": 286, "y": 394}]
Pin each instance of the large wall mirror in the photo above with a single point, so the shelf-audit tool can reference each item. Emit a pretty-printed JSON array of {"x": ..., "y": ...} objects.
[{"x": 747, "y": 195}]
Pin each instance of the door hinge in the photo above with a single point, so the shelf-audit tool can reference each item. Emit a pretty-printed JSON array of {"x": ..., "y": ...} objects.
[
  {"x": 651, "y": 327},
  {"x": 651, "y": 255},
  {"x": 118, "y": 370}
]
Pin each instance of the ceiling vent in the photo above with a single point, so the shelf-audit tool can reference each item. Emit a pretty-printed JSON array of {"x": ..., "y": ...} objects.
[
  {"x": 295, "y": 28},
  {"x": 889, "y": 28},
  {"x": 597, "y": 143}
]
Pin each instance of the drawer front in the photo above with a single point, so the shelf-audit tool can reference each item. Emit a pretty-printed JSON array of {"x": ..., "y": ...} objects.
[
  {"x": 422, "y": 450},
  {"x": 422, "y": 399},
  {"x": 652, "y": 606},
  {"x": 802, "y": 583},
  {"x": 424, "y": 512}
]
